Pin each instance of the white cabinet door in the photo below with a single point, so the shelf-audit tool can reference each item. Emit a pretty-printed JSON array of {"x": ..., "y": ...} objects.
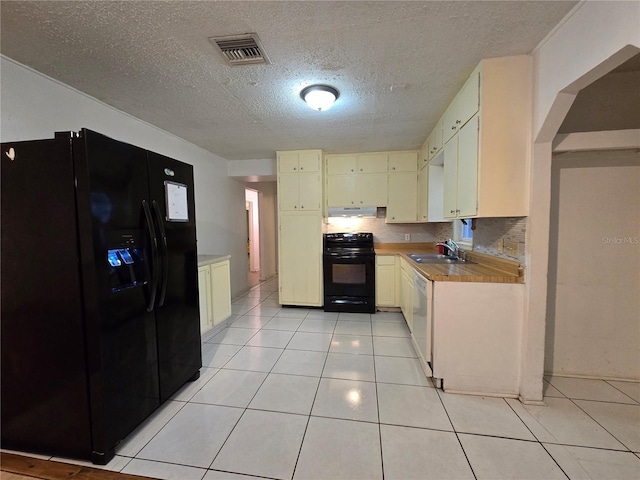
[
  {"x": 402, "y": 204},
  {"x": 403, "y": 162},
  {"x": 468, "y": 170},
  {"x": 423, "y": 194},
  {"x": 450, "y": 179},
  {"x": 310, "y": 191},
  {"x": 288, "y": 193},
  {"x": 372, "y": 163},
  {"x": 300, "y": 259},
  {"x": 341, "y": 164},
  {"x": 386, "y": 283},
  {"x": 371, "y": 189},
  {"x": 341, "y": 190},
  {"x": 468, "y": 100},
  {"x": 221, "y": 291},
  {"x": 309, "y": 161},
  {"x": 204, "y": 295}
]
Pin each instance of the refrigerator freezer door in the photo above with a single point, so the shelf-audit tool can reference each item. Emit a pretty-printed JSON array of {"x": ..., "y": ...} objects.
[
  {"x": 44, "y": 383},
  {"x": 113, "y": 185},
  {"x": 177, "y": 311}
]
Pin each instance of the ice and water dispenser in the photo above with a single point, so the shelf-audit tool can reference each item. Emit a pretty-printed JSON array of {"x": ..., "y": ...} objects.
[{"x": 126, "y": 261}]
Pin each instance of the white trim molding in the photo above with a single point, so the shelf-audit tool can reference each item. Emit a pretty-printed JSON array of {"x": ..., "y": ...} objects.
[{"x": 605, "y": 140}]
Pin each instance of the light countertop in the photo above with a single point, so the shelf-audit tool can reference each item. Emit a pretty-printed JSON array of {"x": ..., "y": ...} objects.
[
  {"x": 209, "y": 259},
  {"x": 486, "y": 268}
]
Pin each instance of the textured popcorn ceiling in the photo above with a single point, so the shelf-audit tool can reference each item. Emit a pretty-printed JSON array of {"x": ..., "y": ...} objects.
[{"x": 396, "y": 64}]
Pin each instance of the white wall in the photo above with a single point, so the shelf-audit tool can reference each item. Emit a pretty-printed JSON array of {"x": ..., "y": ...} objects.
[
  {"x": 594, "y": 38},
  {"x": 34, "y": 106},
  {"x": 593, "y": 318}
]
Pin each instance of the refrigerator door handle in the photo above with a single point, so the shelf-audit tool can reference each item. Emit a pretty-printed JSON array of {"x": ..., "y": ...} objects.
[
  {"x": 165, "y": 253},
  {"x": 154, "y": 256}
]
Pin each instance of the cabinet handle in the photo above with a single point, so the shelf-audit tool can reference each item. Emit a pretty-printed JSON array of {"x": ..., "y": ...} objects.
[
  {"x": 458, "y": 121},
  {"x": 295, "y": 206},
  {"x": 301, "y": 168},
  {"x": 457, "y": 211},
  {"x": 360, "y": 169},
  {"x": 453, "y": 127},
  {"x": 393, "y": 168},
  {"x": 301, "y": 206},
  {"x": 294, "y": 169},
  {"x": 352, "y": 169},
  {"x": 452, "y": 211}
]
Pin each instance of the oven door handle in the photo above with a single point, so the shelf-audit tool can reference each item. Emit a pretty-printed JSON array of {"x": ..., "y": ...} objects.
[{"x": 358, "y": 258}]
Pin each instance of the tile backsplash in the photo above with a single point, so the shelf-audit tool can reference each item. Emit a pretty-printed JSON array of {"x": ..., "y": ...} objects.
[
  {"x": 382, "y": 232},
  {"x": 487, "y": 232}
]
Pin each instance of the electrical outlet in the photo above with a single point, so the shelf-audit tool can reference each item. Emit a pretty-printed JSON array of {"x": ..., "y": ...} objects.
[
  {"x": 512, "y": 249},
  {"x": 500, "y": 245},
  {"x": 407, "y": 237}
]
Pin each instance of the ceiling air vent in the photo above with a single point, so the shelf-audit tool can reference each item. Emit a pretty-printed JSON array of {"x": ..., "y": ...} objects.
[{"x": 241, "y": 49}]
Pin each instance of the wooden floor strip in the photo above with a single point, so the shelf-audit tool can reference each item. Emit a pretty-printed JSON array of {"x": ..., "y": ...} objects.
[{"x": 20, "y": 467}]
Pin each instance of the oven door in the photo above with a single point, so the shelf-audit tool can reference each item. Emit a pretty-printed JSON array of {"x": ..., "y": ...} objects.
[{"x": 349, "y": 275}]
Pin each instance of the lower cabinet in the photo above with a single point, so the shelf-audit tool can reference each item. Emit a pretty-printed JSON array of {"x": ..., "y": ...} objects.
[
  {"x": 214, "y": 286},
  {"x": 472, "y": 330},
  {"x": 406, "y": 292},
  {"x": 387, "y": 281},
  {"x": 300, "y": 258},
  {"x": 477, "y": 336}
]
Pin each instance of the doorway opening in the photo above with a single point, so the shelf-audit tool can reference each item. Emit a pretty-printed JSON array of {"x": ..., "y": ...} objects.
[{"x": 253, "y": 236}]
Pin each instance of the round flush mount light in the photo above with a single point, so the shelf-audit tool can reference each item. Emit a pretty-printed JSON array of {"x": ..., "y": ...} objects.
[{"x": 319, "y": 97}]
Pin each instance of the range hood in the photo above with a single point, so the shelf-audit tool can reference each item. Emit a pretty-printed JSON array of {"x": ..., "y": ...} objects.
[{"x": 353, "y": 211}]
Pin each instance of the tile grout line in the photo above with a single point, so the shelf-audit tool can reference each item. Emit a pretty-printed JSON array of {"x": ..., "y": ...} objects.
[
  {"x": 304, "y": 434},
  {"x": 602, "y": 426},
  {"x": 455, "y": 432}
]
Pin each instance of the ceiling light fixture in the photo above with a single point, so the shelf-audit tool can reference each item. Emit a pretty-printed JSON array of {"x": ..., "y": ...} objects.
[{"x": 319, "y": 97}]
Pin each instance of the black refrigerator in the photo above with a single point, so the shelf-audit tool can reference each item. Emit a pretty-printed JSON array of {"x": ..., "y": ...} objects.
[{"x": 99, "y": 289}]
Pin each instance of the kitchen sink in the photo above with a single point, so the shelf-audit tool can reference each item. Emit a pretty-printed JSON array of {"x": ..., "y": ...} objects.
[{"x": 435, "y": 258}]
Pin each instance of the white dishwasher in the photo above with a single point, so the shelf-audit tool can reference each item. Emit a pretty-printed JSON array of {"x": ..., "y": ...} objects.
[{"x": 422, "y": 329}]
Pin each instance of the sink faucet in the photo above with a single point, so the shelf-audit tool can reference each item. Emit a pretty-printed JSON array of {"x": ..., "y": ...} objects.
[{"x": 454, "y": 249}]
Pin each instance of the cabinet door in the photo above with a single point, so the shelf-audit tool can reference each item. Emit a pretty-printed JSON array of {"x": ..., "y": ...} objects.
[
  {"x": 423, "y": 194},
  {"x": 403, "y": 162},
  {"x": 385, "y": 286},
  {"x": 449, "y": 125},
  {"x": 372, "y": 163},
  {"x": 309, "y": 161},
  {"x": 300, "y": 259},
  {"x": 407, "y": 297},
  {"x": 468, "y": 169},
  {"x": 341, "y": 164},
  {"x": 288, "y": 195},
  {"x": 220, "y": 291},
  {"x": 287, "y": 162},
  {"x": 435, "y": 140},
  {"x": 340, "y": 190},
  {"x": 402, "y": 202},
  {"x": 468, "y": 100},
  {"x": 371, "y": 189},
  {"x": 309, "y": 191},
  {"x": 450, "y": 179},
  {"x": 204, "y": 295}
]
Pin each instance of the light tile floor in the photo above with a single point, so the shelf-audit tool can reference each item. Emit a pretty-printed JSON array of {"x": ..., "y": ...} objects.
[{"x": 299, "y": 393}]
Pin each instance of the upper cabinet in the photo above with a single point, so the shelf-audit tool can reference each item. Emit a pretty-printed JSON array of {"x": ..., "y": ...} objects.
[
  {"x": 299, "y": 161},
  {"x": 375, "y": 179},
  {"x": 299, "y": 180},
  {"x": 486, "y": 142},
  {"x": 434, "y": 141},
  {"x": 403, "y": 162}
]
